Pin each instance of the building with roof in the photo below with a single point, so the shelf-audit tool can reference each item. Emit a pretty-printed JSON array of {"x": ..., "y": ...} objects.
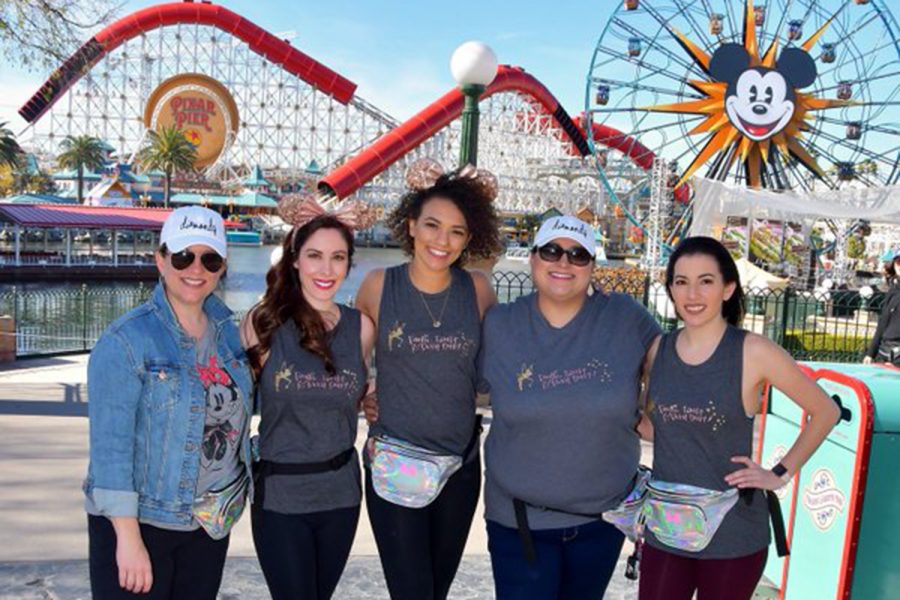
[
  {"x": 246, "y": 203},
  {"x": 68, "y": 241}
]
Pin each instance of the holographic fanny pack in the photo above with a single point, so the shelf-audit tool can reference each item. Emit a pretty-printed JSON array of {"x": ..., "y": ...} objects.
[
  {"x": 408, "y": 475},
  {"x": 684, "y": 516},
  {"x": 625, "y": 515},
  {"x": 219, "y": 509}
]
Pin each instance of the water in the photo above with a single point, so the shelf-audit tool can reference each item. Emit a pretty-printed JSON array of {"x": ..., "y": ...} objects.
[{"x": 58, "y": 316}]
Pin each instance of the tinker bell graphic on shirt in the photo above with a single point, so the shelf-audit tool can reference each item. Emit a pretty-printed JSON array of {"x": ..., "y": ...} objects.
[
  {"x": 594, "y": 370},
  {"x": 395, "y": 334},
  {"x": 223, "y": 406}
]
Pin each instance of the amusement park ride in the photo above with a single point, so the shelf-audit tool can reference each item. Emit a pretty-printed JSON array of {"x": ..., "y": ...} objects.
[{"x": 786, "y": 95}]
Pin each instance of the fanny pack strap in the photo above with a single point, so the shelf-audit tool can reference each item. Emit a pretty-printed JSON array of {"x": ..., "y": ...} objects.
[
  {"x": 777, "y": 523},
  {"x": 521, "y": 509},
  {"x": 264, "y": 468},
  {"x": 476, "y": 437}
]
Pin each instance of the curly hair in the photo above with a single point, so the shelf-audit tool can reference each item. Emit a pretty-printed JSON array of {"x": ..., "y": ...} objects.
[
  {"x": 472, "y": 200},
  {"x": 284, "y": 299}
]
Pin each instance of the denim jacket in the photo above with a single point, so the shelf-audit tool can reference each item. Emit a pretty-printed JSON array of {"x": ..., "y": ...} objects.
[{"x": 147, "y": 411}]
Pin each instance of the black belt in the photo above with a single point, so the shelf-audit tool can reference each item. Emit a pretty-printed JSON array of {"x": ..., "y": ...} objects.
[
  {"x": 264, "y": 468},
  {"x": 521, "y": 508}
]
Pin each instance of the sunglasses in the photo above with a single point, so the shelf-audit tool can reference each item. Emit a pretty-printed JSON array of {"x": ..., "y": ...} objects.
[
  {"x": 211, "y": 261},
  {"x": 578, "y": 256}
]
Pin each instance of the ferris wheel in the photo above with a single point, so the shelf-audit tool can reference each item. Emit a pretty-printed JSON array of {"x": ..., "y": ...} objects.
[{"x": 778, "y": 94}]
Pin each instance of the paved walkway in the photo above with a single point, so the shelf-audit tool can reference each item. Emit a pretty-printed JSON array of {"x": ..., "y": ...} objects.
[{"x": 43, "y": 544}]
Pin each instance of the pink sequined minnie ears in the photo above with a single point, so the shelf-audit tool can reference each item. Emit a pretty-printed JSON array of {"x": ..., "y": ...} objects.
[
  {"x": 424, "y": 173},
  {"x": 300, "y": 209}
]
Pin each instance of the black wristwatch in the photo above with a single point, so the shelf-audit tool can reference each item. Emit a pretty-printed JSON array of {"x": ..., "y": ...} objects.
[{"x": 780, "y": 470}]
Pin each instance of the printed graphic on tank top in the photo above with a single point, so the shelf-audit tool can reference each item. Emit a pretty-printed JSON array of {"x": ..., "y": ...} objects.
[
  {"x": 564, "y": 407},
  {"x": 699, "y": 423},
  {"x": 308, "y": 416},
  {"x": 425, "y": 357}
]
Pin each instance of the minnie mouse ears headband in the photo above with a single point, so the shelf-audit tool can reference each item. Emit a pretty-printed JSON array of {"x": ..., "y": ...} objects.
[
  {"x": 300, "y": 209},
  {"x": 425, "y": 172}
]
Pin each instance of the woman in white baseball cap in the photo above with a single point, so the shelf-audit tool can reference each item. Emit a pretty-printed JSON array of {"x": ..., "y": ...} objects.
[
  {"x": 170, "y": 403},
  {"x": 562, "y": 366}
]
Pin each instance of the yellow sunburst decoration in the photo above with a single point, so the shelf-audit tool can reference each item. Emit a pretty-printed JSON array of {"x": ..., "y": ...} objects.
[{"x": 752, "y": 105}]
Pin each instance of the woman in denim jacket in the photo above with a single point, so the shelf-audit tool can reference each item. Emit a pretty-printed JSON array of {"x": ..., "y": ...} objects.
[{"x": 170, "y": 403}]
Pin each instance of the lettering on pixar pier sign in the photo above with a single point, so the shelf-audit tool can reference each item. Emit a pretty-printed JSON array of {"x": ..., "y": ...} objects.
[{"x": 201, "y": 107}]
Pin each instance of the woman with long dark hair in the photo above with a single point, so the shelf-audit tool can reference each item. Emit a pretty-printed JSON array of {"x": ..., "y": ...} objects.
[
  {"x": 705, "y": 389},
  {"x": 309, "y": 356},
  {"x": 885, "y": 344},
  {"x": 170, "y": 407},
  {"x": 423, "y": 473}
]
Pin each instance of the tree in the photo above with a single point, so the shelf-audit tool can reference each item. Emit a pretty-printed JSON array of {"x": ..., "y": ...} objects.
[
  {"x": 44, "y": 33},
  {"x": 169, "y": 151},
  {"x": 80, "y": 153},
  {"x": 10, "y": 152}
]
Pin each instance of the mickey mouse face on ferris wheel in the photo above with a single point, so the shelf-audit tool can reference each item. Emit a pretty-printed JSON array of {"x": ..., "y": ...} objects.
[{"x": 760, "y": 101}]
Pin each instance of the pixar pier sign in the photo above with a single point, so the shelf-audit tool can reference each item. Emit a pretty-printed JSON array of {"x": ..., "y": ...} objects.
[{"x": 201, "y": 107}]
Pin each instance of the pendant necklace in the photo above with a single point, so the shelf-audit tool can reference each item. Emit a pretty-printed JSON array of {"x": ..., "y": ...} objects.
[{"x": 435, "y": 321}]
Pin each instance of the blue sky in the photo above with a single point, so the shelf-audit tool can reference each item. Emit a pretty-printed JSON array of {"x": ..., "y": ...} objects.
[{"x": 398, "y": 51}]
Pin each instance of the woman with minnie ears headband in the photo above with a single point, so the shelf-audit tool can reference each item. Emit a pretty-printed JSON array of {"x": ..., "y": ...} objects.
[
  {"x": 712, "y": 368},
  {"x": 309, "y": 355},
  {"x": 169, "y": 418},
  {"x": 428, "y": 315}
]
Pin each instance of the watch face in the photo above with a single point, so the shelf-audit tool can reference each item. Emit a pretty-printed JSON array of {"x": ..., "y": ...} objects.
[{"x": 779, "y": 469}]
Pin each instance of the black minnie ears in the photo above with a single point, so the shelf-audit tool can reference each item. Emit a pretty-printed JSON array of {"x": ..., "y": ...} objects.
[{"x": 730, "y": 60}]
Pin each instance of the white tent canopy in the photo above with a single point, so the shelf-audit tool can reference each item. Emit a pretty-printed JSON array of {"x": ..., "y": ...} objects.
[
  {"x": 753, "y": 277},
  {"x": 717, "y": 200}
]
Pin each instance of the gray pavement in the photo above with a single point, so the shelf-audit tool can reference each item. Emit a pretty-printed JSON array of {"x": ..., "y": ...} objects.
[{"x": 43, "y": 540}]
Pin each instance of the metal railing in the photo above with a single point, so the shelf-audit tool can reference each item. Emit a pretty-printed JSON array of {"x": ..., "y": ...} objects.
[
  {"x": 71, "y": 320},
  {"x": 830, "y": 326}
]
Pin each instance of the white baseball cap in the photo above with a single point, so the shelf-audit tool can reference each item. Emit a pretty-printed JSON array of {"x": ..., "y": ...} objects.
[
  {"x": 571, "y": 228},
  {"x": 191, "y": 225}
]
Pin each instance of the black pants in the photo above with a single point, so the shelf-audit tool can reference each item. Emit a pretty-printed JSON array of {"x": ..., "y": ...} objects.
[
  {"x": 420, "y": 548},
  {"x": 186, "y": 564},
  {"x": 303, "y": 556}
]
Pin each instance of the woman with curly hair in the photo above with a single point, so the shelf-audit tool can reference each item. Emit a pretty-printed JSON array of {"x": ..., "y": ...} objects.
[
  {"x": 309, "y": 357},
  {"x": 428, "y": 315}
]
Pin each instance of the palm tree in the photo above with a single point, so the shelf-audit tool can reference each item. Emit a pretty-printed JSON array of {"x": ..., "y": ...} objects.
[
  {"x": 10, "y": 152},
  {"x": 79, "y": 153},
  {"x": 169, "y": 151}
]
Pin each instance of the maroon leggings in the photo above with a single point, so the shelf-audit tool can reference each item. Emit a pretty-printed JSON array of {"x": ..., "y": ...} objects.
[{"x": 666, "y": 576}]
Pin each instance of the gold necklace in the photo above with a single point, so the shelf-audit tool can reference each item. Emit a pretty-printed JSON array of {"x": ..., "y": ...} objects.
[{"x": 436, "y": 322}]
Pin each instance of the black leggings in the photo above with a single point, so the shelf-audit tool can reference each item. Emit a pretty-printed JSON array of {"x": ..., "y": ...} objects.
[
  {"x": 420, "y": 548},
  {"x": 186, "y": 564},
  {"x": 303, "y": 556}
]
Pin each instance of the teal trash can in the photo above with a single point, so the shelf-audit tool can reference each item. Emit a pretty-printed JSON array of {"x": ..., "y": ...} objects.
[{"x": 841, "y": 509}]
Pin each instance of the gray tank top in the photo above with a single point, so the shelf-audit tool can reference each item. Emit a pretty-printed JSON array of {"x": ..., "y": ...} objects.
[
  {"x": 426, "y": 375},
  {"x": 699, "y": 423},
  {"x": 308, "y": 415}
]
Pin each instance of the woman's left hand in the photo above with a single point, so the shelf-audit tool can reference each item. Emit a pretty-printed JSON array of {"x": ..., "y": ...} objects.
[{"x": 753, "y": 476}]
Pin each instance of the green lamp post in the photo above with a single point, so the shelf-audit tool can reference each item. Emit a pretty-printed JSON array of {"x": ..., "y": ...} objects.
[{"x": 474, "y": 66}]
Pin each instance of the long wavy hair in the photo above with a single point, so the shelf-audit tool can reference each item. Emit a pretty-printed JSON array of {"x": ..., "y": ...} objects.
[
  {"x": 284, "y": 299},
  {"x": 733, "y": 308}
]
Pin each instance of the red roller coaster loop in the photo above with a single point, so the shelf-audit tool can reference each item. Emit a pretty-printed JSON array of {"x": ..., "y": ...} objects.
[{"x": 260, "y": 41}]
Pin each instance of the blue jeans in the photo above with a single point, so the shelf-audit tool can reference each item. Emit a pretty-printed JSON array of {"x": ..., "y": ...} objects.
[{"x": 572, "y": 563}]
